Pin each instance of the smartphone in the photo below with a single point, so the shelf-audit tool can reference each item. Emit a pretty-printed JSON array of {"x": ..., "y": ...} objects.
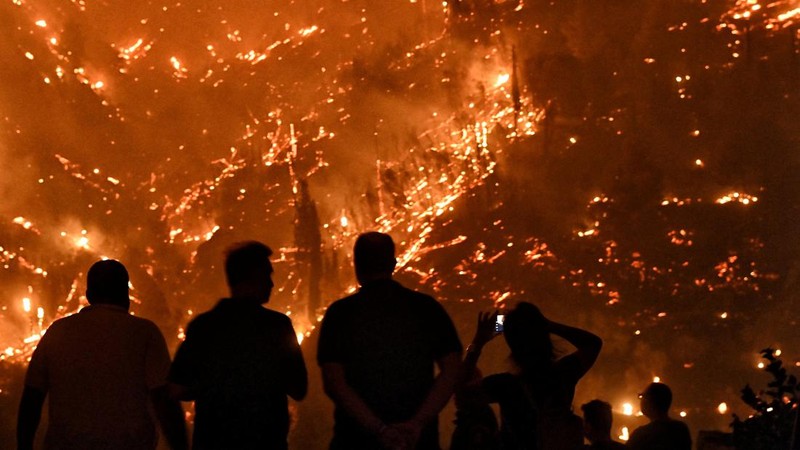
[{"x": 498, "y": 324}]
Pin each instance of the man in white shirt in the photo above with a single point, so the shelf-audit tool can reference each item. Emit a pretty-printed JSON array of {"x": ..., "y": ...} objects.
[{"x": 101, "y": 368}]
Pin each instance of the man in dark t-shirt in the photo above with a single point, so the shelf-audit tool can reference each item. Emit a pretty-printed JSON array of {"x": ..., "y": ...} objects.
[
  {"x": 663, "y": 432},
  {"x": 240, "y": 361},
  {"x": 377, "y": 351}
]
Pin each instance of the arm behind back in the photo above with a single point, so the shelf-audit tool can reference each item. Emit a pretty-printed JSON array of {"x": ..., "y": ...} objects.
[{"x": 296, "y": 372}]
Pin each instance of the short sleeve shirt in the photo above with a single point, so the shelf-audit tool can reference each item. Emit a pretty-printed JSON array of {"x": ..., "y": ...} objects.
[
  {"x": 661, "y": 435},
  {"x": 98, "y": 367},
  {"x": 387, "y": 338},
  {"x": 238, "y": 360}
]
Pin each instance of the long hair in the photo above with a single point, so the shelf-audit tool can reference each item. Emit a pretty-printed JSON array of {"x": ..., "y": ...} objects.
[{"x": 525, "y": 331}]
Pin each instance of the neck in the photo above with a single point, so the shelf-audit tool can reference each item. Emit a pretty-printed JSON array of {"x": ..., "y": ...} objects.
[
  {"x": 371, "y": 278},
  {"x": 656, "y": 417},
  {"x": 126, "y": 307},
  {"x": 245, "y": 297}
]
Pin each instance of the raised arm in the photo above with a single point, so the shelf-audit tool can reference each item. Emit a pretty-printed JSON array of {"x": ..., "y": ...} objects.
[
  {"x": 484, "y": 332},
  {"x": 588, "y": 345},
  {"x": 30, "y": 412}
]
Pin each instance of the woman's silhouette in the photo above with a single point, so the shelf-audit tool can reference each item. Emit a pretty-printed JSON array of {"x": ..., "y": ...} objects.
[{"x": 536, "y": 399}]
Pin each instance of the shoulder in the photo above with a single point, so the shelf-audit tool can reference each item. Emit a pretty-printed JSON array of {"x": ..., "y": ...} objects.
[
  {"x": 415, "y": 295},
  {"x": 202, "y": 320},
  {"x": 343, "y": 304},
  {"x": 421, "y": 300},
  {"x": 141, "y": 322},
  {"x": 639, "y": 434},
  {"x": 144, "y": 327},
  {"x": 680, "y": 427},
  {"x": 50, "y": 337},
  {"x": 64, "y": 326},
  {"x": 61, "y": 324},
  {"x": 642, "y": 430},
  {"x": 275, "y": 317}
]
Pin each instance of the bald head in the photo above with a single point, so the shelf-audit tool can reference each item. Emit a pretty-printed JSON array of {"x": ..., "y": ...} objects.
[
  {"x": 107, "y": 283},
  {"x": 374, "y": 256}
]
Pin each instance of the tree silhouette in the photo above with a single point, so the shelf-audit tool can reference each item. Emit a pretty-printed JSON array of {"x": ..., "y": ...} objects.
[{"x": 773, "y": 425}]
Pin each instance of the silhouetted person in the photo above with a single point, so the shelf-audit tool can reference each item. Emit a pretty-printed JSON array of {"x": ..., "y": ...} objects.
[
  {"x": 597, "y": 419},
  {"x": 101, "y": 368},
  {"x": 536, "y": 400},
  {"x": 476, "y": 424},
  {"x": 240, "y": 361},
  {"x": 662, "y": 433},
  {"x": 377, "y": 350}
]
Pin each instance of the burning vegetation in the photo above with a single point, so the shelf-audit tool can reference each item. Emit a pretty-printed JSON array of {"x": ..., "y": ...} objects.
[{"x": 631, "y": 167}]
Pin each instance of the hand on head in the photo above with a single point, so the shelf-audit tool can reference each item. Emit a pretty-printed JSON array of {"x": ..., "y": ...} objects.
[{"x": 533, "y": 314}]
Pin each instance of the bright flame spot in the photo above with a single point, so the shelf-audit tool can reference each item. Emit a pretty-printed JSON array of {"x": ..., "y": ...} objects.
[
  {"x": 26, "y": 304},
  {"x": 306, "y": 31},
  {"x": 343, "y": 221},
  {"x": 29, "y": 55},
  {"x": 683, "y": 414},
  {"x": 656, "y": 379},
  {"x": 41, "y": 23},
  {"x": 723, "y": 315},
  {"x": 82, "y": 242},
  {"x": 788, "y": 15},
  {"x": 623, "y": 434},
  {"x": 760, "y": 365},
  {"x": 722, "y": 408},
  {"x": 40, "y": 313},
  {"x": 300, "y": 337},
  {"x": 502, "y": 79},
  {"x": 627, "y": 409},
  {"x": 24, "y": 223},
  {"x": 778, "y": 352}
]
